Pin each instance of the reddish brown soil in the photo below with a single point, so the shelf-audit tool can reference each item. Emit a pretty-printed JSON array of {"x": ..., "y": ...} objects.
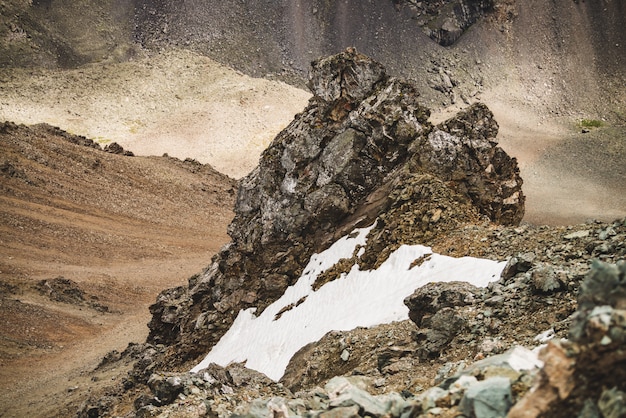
[{"x": 121, "y": 228}]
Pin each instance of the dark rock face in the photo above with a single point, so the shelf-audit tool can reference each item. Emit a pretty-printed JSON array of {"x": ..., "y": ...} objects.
[
  {"x": 445, "y": 20},
  {"x": 463, "y": 152},
  {"x": 362, "y": 146}
]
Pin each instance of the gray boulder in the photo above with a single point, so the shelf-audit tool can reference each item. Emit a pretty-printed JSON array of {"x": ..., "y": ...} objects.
[
  {"x": 433, "y": 297},
  {"x": 490, "y": 398}
]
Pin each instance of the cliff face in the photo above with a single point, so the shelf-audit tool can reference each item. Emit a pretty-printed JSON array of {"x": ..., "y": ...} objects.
[{"x": 362, "y": 147}]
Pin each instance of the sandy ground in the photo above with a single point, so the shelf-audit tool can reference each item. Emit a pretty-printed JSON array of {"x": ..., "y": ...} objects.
[
  {"x": 177, "y": 102},
  {"x": 121, "y": 229}
]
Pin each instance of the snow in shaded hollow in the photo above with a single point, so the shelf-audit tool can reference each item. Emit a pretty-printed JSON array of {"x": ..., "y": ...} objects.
[{"x": 356, "y": 299}]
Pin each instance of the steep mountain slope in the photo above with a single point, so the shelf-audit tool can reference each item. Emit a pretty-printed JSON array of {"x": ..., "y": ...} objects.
[
  {"x": 87, "y": 240},
  {"x": 579, "y": 45},
  {"x": 175, "y": 102}
]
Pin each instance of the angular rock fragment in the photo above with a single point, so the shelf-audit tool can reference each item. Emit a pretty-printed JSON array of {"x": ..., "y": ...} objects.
[
  {"x": 433, "y": 297},
  {"x": 490, "y": 398}
]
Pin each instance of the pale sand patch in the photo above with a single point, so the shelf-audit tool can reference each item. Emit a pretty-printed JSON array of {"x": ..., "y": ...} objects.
[{"x": 176, "y": 102}]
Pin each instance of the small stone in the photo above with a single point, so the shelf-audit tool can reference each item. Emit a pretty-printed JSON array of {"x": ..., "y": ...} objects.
[
  {"x": 342, "y": 393},
  {"x": 491, "y": 346},
  {"x": 341, "y": 412},
  {"x": 545, "y": 280},
  {"x": 458, "y": 388},
  {"x": 436, "y": 216},
  {"x": 590, "y": 410},
  {"x": 545, "y": 336},
  {"x": 612, "y": 403},
  {"x": 497, "y": 300},
  {"x": 606, "y": 340},
  {"x": 608, "y": 232},
  {"x": 577, "y": 234},
  {"x": 345, "y": 355},
  {"x": 431, "y": 396}
]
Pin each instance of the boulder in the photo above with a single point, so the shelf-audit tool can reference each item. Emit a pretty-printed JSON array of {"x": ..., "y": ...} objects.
[
  {"x": 490, "y": 398},
  {"x": 433, "y": 297}
]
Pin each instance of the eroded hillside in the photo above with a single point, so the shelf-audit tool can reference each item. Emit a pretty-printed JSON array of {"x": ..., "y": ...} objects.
[{"x": 88, "y": 239}]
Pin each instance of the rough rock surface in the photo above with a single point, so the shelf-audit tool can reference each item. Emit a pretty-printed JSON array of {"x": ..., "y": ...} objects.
[
  {"x": 362, "y": 153},
  {"x": 362, "y": 135},
  {"x": 586, "y": 372},
  {"x": 445, "y": 21},
  {"x": 482, "y": 371}
]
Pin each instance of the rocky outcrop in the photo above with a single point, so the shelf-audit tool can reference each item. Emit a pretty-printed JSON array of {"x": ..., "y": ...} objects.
[
  {"x": 363, "y": 148},
  {"x": 445, "y": 20},
  {"x": 480, "y": 371},
  {"x": 586, "y": 372}
]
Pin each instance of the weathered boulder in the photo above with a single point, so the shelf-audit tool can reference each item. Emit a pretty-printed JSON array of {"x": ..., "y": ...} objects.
[
  {"x": 490, "y": 398},
  {"x": 443, "y": 326},
  {"x": 433, "y": 297}
]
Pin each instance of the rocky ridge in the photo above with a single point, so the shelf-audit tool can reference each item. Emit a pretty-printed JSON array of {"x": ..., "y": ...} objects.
[
  {"x": 462, "y": 342},
  {"x": 363, "y": 149},
  {"x": 362, "y": 134}
]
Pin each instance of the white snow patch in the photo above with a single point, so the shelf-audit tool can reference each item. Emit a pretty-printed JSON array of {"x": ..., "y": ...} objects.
[
  {"x": 357, "y": 299},
  {"x": 545, "y": 336},
  {"x": 521, "y": 358}
]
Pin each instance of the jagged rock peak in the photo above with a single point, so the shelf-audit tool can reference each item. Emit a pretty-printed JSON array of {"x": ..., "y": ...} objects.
[
  {"x": 362, "y": 150},
  {"x": 350, "y": 76},
  {"x": 463, "y": 151},
  {"x": 356, "y": 130}
]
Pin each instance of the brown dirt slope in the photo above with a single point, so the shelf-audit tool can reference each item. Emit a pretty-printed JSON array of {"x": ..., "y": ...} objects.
[{"x": 87, "y": 240}]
